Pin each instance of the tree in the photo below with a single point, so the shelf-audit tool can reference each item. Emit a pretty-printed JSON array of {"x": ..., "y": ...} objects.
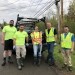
[{"x": 71, "y": 12}]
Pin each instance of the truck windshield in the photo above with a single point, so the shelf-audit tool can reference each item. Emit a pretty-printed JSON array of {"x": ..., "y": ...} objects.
[{"x": 29, "y": 28}]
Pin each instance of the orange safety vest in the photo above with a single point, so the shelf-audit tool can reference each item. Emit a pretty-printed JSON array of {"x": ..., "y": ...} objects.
[{"x": 37, "y": 39}]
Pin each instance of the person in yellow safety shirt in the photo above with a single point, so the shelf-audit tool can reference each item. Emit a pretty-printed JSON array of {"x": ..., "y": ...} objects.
[
  {"x": 19, "y": 41},
  {"x": 36, "y": 36},
  {"x": 7, "y": 41},
  {"x": 51, "y": 38},
  {"x": 67, "y": 45}
]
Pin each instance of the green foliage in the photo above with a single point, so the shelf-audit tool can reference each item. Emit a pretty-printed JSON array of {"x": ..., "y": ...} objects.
[
  {"x": 41, "y": 26},
  {"x": 69, "y": 19},
  {"x": 4, "y": 24},
  {"x": 71, "y": 12},
  {"x": 71, "y": 25},
  {"x": 54, "y": 22}
]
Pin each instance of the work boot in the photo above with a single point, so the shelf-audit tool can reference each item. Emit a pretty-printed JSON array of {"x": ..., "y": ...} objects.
[
  {"x": 39, "y": 61},
  {"x": 52, "y": 64},
  {"x": 64, "y": 66},
  {"x": 22, "y": 61},
  {"x": 19, "y": 64},
  {"x": 70, "y": 68},
  {"x": 35, "y": 60},
  {"x": 10, "y": 60},
  {"x": 4, "y": 62}
]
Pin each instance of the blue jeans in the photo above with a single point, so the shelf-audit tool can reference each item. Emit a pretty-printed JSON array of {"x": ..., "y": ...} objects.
[
  {"x": 50, "y": 47},
  {"x": 37, "y": 48}
]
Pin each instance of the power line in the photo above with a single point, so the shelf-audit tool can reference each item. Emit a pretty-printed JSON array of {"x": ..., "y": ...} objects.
[
  {"x": 45, "y": 9},
  {"x": 33, "y": 3},
  {"x": 25, "y": 7},
  {"x": 42, "y": 9},
  {"x": 38, "y": 6}
]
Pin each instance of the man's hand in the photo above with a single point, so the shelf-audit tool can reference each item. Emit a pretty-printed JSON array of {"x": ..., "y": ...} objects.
[
  {"x": 2, "y": 42},
  {"x": 27, "y": 44},
  {"x": 71, "y": 50},
  {"x": 14, "y": 42},
  {"x": 55, "y": 44}
]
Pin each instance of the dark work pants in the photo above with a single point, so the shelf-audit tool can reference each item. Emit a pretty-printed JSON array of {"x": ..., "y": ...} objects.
[{"x": 50, "y": 47}]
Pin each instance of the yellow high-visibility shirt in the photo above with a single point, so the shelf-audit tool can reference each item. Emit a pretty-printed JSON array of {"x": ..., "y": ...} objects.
[
  {"x": 50, "y": 37},
  {"x": 9, "y": 32},
  {"x": 66, "y": 42},
  {"x": 20, "y": 37}
]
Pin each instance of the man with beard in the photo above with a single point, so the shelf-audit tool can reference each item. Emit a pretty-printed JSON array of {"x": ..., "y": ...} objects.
[
  {"x": 7, "y": 41},
  {"x": 19, "y": 41}
]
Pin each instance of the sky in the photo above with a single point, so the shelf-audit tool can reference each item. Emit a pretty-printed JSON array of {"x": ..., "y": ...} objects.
[{"x": 26, "y": 8}]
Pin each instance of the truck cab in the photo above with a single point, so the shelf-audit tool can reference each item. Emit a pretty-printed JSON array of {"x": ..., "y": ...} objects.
[{"x": 29, "y": 28}]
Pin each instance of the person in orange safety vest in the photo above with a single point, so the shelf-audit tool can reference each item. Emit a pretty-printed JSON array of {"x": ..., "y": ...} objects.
[{"x": 36, "y": 36}]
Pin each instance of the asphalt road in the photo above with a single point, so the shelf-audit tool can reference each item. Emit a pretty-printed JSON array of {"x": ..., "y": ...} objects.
[{"x": 29, "y": 69}]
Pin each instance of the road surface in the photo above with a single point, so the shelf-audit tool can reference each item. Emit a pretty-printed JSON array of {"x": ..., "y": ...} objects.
[{"x": 29, "y": 69}]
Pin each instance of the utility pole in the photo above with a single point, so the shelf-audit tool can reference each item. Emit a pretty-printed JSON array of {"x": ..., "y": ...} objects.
[
  {"x": 61, "y": 14},
  {"x": 58, "y": 16}
]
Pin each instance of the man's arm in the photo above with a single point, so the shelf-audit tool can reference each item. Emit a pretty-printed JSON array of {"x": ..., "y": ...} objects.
[
  {"x": 55, "y": 35},
  {"x": 14, "y": 41},
  {"x": 55, "y": 38},
  {"x": 72, "y": 39},
  {"x": 27, "y": 39},
  {"x": 2, "y": 39},
  {"x": 3, "y": 35},
  {"x": 72, "y": 45}
]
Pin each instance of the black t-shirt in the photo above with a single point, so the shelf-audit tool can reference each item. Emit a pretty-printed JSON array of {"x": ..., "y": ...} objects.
[{"x": 55, "y": 32}]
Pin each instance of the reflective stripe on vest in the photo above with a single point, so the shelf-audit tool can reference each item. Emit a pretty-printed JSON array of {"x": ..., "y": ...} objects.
[
  {"x": 66, "y": 41},
  {"x": 50, "y": 36},
  {"x": 37, "y": 37}
]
